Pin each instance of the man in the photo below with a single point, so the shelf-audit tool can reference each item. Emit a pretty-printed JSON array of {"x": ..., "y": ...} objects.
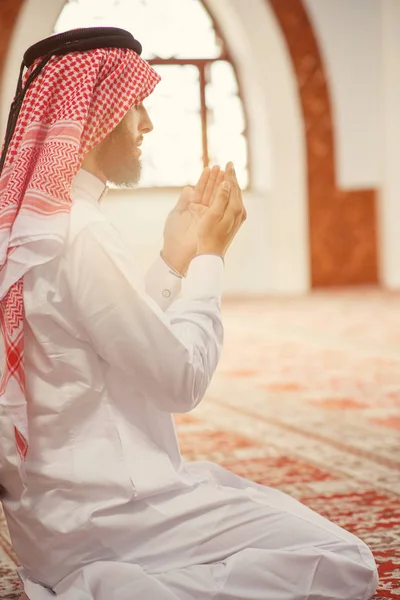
[{"x": 101, "y": 504}]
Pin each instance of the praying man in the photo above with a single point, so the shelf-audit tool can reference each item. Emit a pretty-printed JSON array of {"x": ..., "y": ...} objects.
[{"x": 96, "y": 360}]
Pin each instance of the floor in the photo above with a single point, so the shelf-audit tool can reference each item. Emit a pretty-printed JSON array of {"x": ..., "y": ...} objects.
[{"x": 307, "y": 399}]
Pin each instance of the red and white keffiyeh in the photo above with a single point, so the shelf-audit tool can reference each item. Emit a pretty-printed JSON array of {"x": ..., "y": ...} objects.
[{"x": 74, "y": 103}]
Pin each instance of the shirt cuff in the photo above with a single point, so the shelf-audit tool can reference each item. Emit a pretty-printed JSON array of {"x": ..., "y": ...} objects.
[
  {"x": 162, "y": 284},
  {"x": 205, "y": 277}
]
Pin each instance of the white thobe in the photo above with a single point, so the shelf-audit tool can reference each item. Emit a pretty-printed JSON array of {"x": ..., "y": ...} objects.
[{"x": 109, "y": 508}]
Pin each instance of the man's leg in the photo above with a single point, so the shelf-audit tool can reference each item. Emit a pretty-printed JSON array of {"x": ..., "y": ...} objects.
[
  {"x": 251, "y": 543},
  {"x": 330, "y": 570},
  {"x": 105, "y": 581},
  {"x": 315, "y": 574},
  {"x": 254, "y": 574},
  {"x": 268, "y": 546}
]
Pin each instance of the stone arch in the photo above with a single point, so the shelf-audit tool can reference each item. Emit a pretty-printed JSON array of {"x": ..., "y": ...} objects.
[{"x": 343, "y": 224}]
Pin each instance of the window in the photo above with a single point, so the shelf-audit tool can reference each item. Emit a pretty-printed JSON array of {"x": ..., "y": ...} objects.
[{"x": 197, "y": 112}]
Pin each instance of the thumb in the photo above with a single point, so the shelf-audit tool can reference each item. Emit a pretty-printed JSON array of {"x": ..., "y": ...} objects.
[{"x": 185, "y": 198}]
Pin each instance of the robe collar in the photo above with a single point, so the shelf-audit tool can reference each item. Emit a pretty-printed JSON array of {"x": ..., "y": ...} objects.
[{"x": 87, "y": 185}]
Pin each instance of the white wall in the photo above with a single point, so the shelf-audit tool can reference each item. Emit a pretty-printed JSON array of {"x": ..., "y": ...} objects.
[
  {"x": 349, "y": 37},
  {"x": 271, "y": 253}
]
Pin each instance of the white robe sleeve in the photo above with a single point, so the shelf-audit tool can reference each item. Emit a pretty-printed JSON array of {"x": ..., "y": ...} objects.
[
  {"x": 171, "y": 356},
  {"x": 162, "y": 283}
]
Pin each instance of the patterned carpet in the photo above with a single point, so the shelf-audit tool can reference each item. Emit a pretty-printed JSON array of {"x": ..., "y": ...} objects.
[{"x": 306, "y": 399}]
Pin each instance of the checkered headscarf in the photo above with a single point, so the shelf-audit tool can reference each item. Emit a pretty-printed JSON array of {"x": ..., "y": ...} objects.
[{"x": 73, "y": 104}]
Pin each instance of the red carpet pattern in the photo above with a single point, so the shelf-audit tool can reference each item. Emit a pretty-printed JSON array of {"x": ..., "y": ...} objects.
[{"x": 306, "y": 399}]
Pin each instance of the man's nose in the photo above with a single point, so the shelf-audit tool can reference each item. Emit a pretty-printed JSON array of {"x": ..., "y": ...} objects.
[{"x": 147, "y": 124}]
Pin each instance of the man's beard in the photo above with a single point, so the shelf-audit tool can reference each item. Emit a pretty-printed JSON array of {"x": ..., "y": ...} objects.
[{"x": 117, "y": 157}]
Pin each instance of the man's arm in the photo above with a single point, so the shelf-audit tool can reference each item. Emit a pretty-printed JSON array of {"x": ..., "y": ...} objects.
[{"x": 171, "y": 357}]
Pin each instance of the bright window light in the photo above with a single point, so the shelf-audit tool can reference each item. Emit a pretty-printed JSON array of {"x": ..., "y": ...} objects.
[{"x": 197, "y": 112}]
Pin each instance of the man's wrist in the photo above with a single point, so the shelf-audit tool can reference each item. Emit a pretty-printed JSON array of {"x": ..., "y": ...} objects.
[{"x": 177, "y": 266}]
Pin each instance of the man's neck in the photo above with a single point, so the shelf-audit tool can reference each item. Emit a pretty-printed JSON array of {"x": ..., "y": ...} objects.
[{"x": 89, "y": 164}]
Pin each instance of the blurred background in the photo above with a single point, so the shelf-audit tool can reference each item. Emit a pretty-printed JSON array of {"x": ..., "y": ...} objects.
[{"x": 304, "y": 96}]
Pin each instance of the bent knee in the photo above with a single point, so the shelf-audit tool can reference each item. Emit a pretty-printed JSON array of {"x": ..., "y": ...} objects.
[
  {"x": 371, "y": 568},
  {"x": 353, "y": 568}
]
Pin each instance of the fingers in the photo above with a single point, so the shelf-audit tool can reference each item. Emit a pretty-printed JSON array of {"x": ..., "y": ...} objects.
[
  {"x": 211, "y": 185},
  {"x": 201, "y": 185},
  {"x": 221, "y": 201},
  {"x": 236, "y": 200},
  {"x": 207, "y": 186},
  {"x": 231, "y": 175},
  {"x": 220, "y": 191},
  {"x": 219, "y": 180},
  {"x": 224, "y": 217}
]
